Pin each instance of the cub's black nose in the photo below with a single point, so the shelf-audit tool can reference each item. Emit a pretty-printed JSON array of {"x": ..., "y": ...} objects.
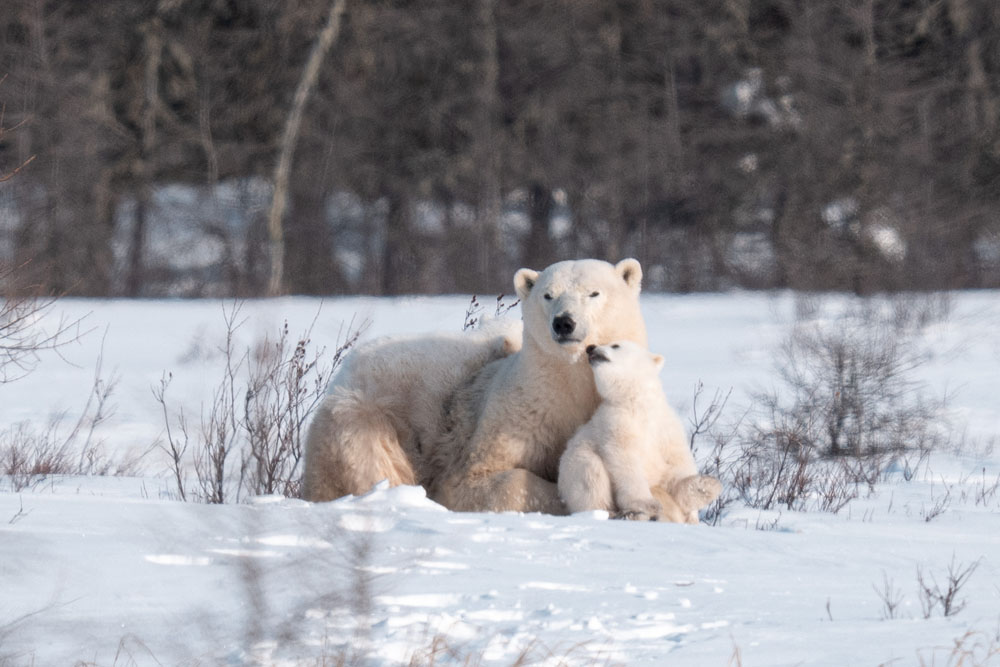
[
  {"x": 563, "y": 325},
  {"x": 591, "y": 348}
]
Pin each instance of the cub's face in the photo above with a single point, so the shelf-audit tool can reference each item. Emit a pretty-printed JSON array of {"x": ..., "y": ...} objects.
[
  {"x": 574, "y": 304},
  {"x": 621, "y": 367}
]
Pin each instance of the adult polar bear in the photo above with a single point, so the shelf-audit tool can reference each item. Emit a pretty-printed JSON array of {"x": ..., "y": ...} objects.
[
  {"x": 384, "y": 407},
  {"x": 502, "y": 430}
]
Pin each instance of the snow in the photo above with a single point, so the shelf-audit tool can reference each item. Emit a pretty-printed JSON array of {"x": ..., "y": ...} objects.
[
  {"x": 116, "y": 570},
  {"x": 888, "y": 242},
  {"x": 191, "y": 230},
  {"x": 840, "y": 212}
]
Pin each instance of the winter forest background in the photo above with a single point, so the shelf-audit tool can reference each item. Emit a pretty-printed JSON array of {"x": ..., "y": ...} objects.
[{"x": 841, "y": 144}]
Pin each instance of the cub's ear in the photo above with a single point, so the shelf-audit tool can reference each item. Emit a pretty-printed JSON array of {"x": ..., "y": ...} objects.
[
  {"x": 657, "y": 361},
  {"x": 524, "y": 280},
  {"x": 630, "y": 271}
]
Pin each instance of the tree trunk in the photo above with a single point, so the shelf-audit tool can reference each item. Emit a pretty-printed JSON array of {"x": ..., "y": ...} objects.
[
  {"x": 310, "y": 240},
  {"x": 153, "y": 42},
  {"x": 538, "y": 248},
  {"x": 399, "y": 267},
  {"x": 310, "y": 74},
  {"x": 489, "y": 251}
]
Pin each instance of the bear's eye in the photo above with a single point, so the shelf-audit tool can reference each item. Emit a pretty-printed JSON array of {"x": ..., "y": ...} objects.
[
  {"x": 593, "y": 294},
  {"x": 615, "y": 346},
  {"x": 548, "y": 297}
]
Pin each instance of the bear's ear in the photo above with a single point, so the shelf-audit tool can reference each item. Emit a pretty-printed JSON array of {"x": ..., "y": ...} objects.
[
  {"x": 524, "y": 280},
  {"x": 657, "y": 361},
  {"x": 630, "y": 271}
]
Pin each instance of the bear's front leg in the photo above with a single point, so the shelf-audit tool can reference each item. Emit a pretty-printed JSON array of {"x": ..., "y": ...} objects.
[
  {"x": 521, "y": 490},
  {"x": 516, "y": 490},
  {"x": 633, "y": 497},
  {"x": 583, "y": 480},
  {"x": 640, "y": 510}
]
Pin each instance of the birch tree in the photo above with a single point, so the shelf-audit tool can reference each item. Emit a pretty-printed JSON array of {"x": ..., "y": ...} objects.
[{"x": 289, "y": 138}]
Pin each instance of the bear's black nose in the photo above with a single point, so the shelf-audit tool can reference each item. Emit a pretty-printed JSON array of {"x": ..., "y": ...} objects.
[
  {"x": 591, "y": 348},
  {"x": 563, "y": 325}
]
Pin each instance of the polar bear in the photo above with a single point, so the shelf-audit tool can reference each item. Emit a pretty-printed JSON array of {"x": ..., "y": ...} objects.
[
  {"x": 506, "y": 428},
  {"x": 633, "y": 446},
  {"x": 384, "y": 406}
]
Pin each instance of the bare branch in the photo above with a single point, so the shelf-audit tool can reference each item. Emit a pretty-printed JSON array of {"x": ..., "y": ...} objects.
[
  {"x": 890, "y": 596},
  {"x": 257, "y": 417},
  {"x": 932, "y": 595}
]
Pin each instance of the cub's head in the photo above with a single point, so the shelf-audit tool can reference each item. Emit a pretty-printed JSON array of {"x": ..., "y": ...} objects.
[
  {"x": 574, "y": 304},
  {"x": 623, "y": 368}
]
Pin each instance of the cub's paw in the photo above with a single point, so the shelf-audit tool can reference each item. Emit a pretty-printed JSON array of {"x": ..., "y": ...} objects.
[
  {"x": 697, "y": 491},
  {"x": 640, "y": 510}
]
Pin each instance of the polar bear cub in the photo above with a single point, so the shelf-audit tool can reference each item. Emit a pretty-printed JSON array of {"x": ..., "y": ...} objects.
[{"x": 633, "y": 450}]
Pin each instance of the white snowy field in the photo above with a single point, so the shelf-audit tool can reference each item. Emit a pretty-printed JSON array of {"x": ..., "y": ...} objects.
[{"x": 117, "y": 571}]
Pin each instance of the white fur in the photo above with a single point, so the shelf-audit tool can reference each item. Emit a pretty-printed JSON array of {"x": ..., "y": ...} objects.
[
  {"x": 481, "y": 428},
  {"x": 634, "y": 448},
  {"x": 510, "y": 424},
  {"x": 597, "y": 296},
  {"x": 383, "y": 409}
]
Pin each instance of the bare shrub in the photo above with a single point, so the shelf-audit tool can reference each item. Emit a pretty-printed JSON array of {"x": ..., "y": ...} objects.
[
  {"x": 176, "y": 446},
  {"x": 768, "y": 464},
  {"x": 719, "y": 467},
  {"x": 850, "y": 384},
  {"x": 847, "y": 408},
  {"x": 987, "y": 489},
  {"x": 932, "y": 595},
  {"x": 251, "y": 435},
  {"x": 913, "y": 311},
  {"x": 475, "y": 312},
  {"x": 975, "y": 648},
  {"x": 220, "y": 428},
  {"x": 29, "y": 455},
  {"x": 285, "y": 385},
  {"x": 890, "y": 596},
  {"x": 940, "y": 505},
  {"x": 27, "y": 327},
  {"x": 705, "y": 422}
]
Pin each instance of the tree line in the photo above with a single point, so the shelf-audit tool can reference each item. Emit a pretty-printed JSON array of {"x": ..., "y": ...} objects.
[{"x": 441, "y": 144}]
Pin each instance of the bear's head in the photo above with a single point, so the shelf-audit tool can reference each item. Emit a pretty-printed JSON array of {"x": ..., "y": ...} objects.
[
  {"x": 577, "y": 303},
  {"x": 623, "y": 369}
]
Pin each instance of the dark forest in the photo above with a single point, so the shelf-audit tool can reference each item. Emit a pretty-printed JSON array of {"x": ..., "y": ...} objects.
[{"x": 252, "y": 147}]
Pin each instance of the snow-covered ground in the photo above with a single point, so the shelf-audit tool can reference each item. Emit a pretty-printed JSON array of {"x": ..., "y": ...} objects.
[{"x": 116, "y": 571}]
